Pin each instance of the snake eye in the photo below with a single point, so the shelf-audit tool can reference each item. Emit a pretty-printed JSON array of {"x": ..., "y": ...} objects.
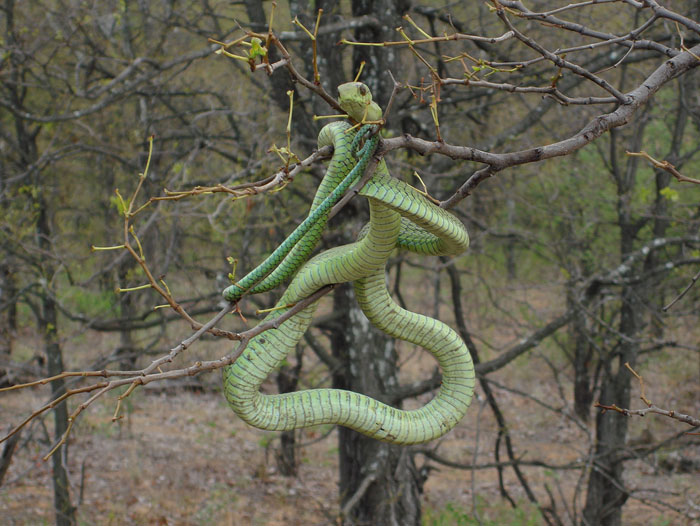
[{"x": 363, "y": 90}]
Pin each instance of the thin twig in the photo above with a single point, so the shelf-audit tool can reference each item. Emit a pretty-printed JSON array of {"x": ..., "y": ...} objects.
[
  {"x": 359, "y": 493},
  {"x": 430, "y": 40},
  {"x": 643, "y": 396},
  {"x": 141, "y": 378},
  {"x": 683, "y": 293},
  {"x": 189, "y": 341},
  {"x": 664, "y": 165},
  {"x": 651, "y": 408},
  {"x": 690, "y": 420},
  {"x": 562, "y": 63}
]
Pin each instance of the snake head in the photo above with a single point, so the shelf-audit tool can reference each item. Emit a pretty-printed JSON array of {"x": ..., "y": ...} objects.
[{"x": 355, "y": 99}]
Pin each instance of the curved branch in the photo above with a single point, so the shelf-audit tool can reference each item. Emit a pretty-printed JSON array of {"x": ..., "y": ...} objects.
[
  {"x": 496, "y": 162},
  {"x": 145, "y": 376},
  {"x": 114, "y": 96}
]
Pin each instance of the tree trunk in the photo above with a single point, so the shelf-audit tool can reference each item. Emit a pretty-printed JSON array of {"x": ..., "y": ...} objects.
[
  {"x": 580, "y": 335},
  {"x": 606, "y": 489},
  {"x": 26, "y": 138},
  {"x": 65, "y": 512},
  {"x": 379, "y": 482},
  {"x": 606, "y": 493},
  {"x": 378, "y": 64},
  {"x": 605, "y": 496},
  {"x": 7, "y": 451},
  {"x": 8, "y": 322},
  {"x": 286, "y": 455},
  {"x": 127, "y": 350},
  {"x": 48, "y": 320}
]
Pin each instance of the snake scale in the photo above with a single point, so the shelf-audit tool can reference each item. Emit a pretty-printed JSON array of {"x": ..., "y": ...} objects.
[{"x": 400, "y": 217}]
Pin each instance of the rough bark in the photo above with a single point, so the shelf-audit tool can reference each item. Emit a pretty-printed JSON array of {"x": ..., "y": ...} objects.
[
  {"x": 286, "y": 455},
  {"x": 579, "y": 332},
  {"x": 27, "y": 154},
  {"x": 378, "y": 64},
  {"x": 379, "y": 483},
  {"x": 48, "y": 327},
  {"x": 6, "y": 457},
  {"x": 8, "y": 322},
  {"x": 606, "y": 488}
]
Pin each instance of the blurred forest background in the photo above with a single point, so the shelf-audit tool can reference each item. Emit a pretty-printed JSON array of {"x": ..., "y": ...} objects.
[{"x": 574, "y": 261}]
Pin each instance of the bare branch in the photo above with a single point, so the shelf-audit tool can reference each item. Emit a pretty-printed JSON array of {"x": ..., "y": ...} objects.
[
  {"x": 271, "y": 183},
  {"x": 544, "y": 90},
  {"x": 329, "y": 29},
  {"x": 664, "y": 165},
  {"x": 603, "y": 123},
  {"x": 560, "y": 62},
  {"x": 651, "y": 408},
  {"x": 687, "y": 419},
  {"x": 683, "y": 292},
  {"x": 114, "y": 95},
  {"x": 632, "y": 39},
  {"x": 662, "y": 12},
  {"x": 519, "y": 461},
  {"x": 143, "y": 376},
  {"x": 526, "y": 344}
]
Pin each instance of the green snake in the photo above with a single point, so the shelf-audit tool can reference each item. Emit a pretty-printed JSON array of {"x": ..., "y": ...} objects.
[{"x": 400, "y": 217}]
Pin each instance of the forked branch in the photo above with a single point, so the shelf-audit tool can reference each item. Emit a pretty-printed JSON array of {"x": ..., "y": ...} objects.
[{"x": 650, "y": 407}]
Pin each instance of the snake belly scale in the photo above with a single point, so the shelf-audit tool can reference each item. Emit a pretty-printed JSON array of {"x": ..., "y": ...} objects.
[{"x": 400, "y": 217}]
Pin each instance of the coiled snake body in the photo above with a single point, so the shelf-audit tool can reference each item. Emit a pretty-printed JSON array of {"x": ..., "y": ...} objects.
[{"x": 400, "y": 217}]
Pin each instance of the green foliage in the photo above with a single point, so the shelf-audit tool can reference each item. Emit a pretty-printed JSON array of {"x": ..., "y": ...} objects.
[
  {"x": 256, "y": 49},
  {"x": 220, "y": 497},
  {"x": 266, "y": 439},
  {"x": 120, "y": 204},
  {"x": 670, "y": 193},
  {"x": 31, "y": 190},
  {"x": 663, "y": 521},
  {"x": 93, "y": 303},
  {"x": 451, "y": 515},
  {"x": 497, "y": 514}
]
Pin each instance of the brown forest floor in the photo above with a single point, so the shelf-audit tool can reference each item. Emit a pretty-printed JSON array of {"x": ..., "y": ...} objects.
[{"x": 182, "y": 458}]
